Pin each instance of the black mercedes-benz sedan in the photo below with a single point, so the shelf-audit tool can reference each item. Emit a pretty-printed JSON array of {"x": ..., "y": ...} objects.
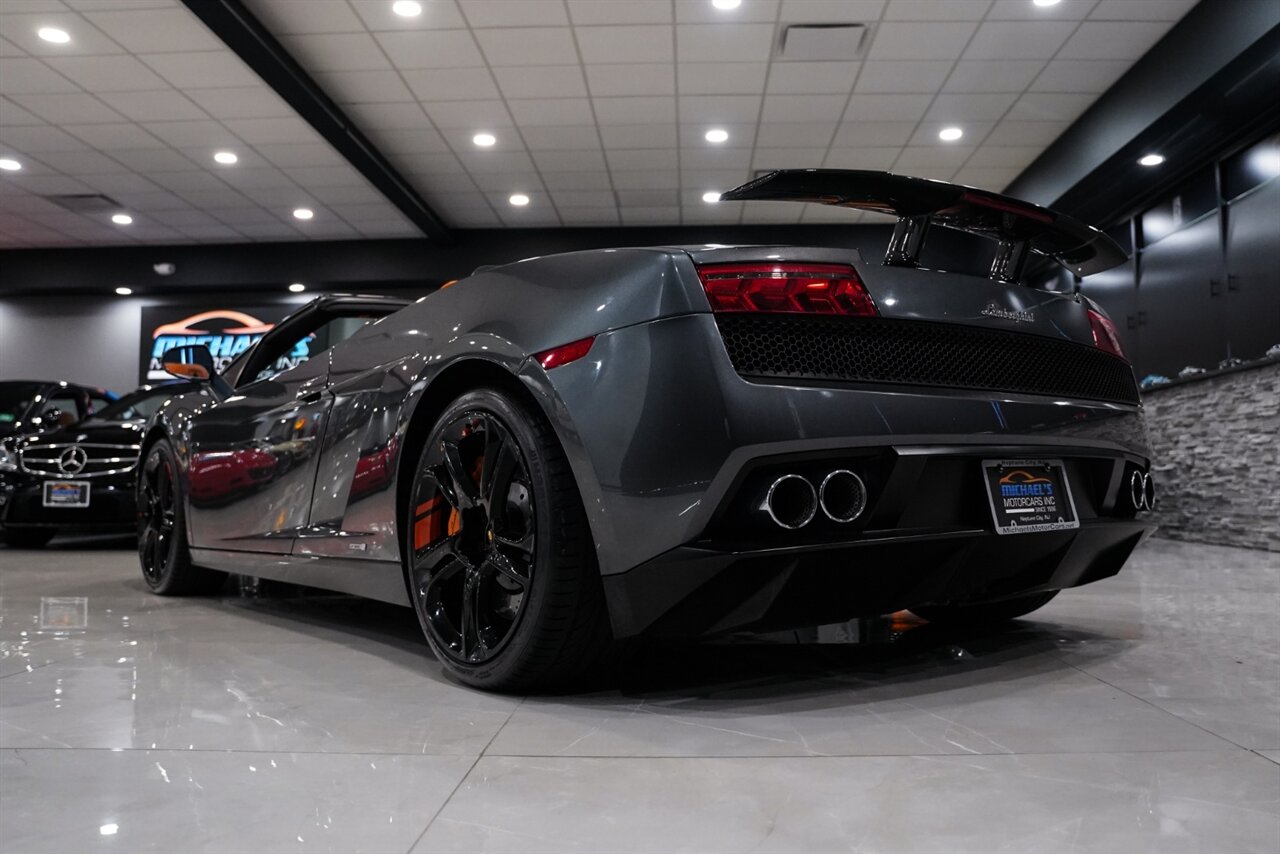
[
  {"x": 80, "y": 475},
  {"x": 34, "y": 406}
]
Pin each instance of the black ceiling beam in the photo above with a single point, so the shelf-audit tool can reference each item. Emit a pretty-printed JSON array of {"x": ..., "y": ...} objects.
[{"x": 254, "y": 44}]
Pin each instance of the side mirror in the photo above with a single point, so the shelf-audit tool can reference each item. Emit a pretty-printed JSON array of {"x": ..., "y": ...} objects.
[{"x": 189, "y": 362}]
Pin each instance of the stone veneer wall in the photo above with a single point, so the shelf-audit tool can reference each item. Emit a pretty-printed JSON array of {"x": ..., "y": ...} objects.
[{"x": 1217, "y": 458}]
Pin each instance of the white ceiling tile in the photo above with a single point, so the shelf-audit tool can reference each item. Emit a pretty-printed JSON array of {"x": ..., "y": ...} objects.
[
  {"x": 862, "y": 157},
  {"x": 983, "y": 75},
  {"x": 50, "y": 185},
  {"x": 961, "y": 107},
  {"x": 257, "y": 177},
  {"x": 723, "y": 42},
  {"x": 787, "y": 158},
  {"x": 508, "y": 138},
  {"x": 577, "y": 181},
  {"x": 287, "y": 130},
  {"x": 11, "y": 115},
  {"x": 795, "y": 134},
  {"x": 152, "y": 161},
  {"x": 183, "y": 182},
  {"x": 112, "y": 137},
  {"x": 529, "y": 217},
  {"x": 1077, "y": 75},
  {"x": 933, "y": 10},
  {"x": 630, "y": 44},
  {"x": 527, "y": 46},
  {"x": 436, "y": 15},
  {"x": 345, "y": 194},
  {"x": 568, "y": 161},
  {"x": 1021, "y": 10},
  {"x": 721, "y": 78},
  {"x": 647, "y": 179},
  {"x": 700, "y": 11},
  {"x": 459, "y": 183},
  {"x": 887, "y": 108},
  {"x": 400, "y": 116},
  {"x": 514, "y": 13},
  {"x": 1050, "y": 106},
  {"x": 106, "y": 73},
  {"x": 451, "y": 84},
  {"x": 573, "y": 138},
  {"x": 1006, "y": 157},
  {"x": 1141, "y": 10},
  {"x": 39, "y": 139},
  {"x": 1019, "y": 39},
  {"x": 19, "y": 75},
  {"x": 582, "y": 198},
  {"x": 538, "y": 112},
  {"x": 737, "y": 160},
  {"x": 832, "y": 11},
  {"x": 193, "y": 133},
  {"x": 592, "y": 217},
  {"x": 647, "y": 198},
  {"x": 892, "y": 76},
  {"x": 482, "y": 163},
  {"x": 926, "y": 133},
  {"x": 638, "y": 110},
  {"x": 874, "y": 133},
  {"x": 165, "y": 105},
  {"x": 541, "y": 81},
  {"x": 693, "y": 134},
  {"x": 156, "y": 30},
  {"x": 430, "y": 164},
  {"x": 305, "y": 154},
  {"x": 309, "y": 16},
  {"x": 986, "y": 178},
  {"x": 1112, "y": 40},
  {"x": 720, "y": 109},
  {"x": 409, "y": 141},
  {"x": 336, "y": 51},
  {"x": 468, "y": 114},
  {"x": 70, "y": 107},
  {"x": 123, "y": 182},
  {"x": 811, "y": 108},
  {"x": 81, "y": 163},
  {"x": 812, "y": 78},
  {"x": 1025, "y": 133},
  {"x": 631, "y": 79},
  {"x": 202, "y": 69},
  {"x": 240, "y": 102},
  {"x": 22, "y": 29},
  {"x": 895, "y": 40},
  {"x": 661, "y": 215},
  {"x": 641, "y": 159},
  {"x": 595, "y": 13},
  {"x": 364, "y": 87},
  {"x": 431, "y": 49},
  {"x": 8, "y": 48}
]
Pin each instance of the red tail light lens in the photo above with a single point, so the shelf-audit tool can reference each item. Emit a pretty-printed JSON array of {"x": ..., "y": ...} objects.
[
  {"x": 1105, "y": 336},
  {"x": 800, "y": 288},
  {"x": 565, "y": 353}
]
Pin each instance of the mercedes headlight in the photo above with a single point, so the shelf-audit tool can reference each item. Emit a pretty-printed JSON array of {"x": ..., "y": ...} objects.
[{"x": 8, "y": 459}]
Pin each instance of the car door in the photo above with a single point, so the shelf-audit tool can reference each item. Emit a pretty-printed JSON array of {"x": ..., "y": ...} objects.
[{"x": 252, "y": 456}]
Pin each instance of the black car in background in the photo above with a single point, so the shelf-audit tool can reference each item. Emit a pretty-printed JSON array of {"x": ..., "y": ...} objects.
[
  {"x": 80, "y": 475},
  {"x": 34, "y": 406}
]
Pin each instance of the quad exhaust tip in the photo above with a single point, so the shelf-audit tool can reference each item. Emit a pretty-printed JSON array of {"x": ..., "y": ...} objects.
[
  {"x": 1142, "y": 491},
  {"x": 791, "y": 502},
  {"x": 842, "y": 496}
]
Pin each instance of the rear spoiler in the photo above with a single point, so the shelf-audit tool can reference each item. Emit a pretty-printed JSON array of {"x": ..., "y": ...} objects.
[{"x": 919, "y": 203}]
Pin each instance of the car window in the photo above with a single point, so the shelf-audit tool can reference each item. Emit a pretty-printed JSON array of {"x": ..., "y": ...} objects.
[
  {"x": 309, "y": 346},
  {"x": 98, "y": 402},
  {"x": 66, "y": 403},
  {"x": 137, "y": 406},
  {"x": 15, "y": 400}
]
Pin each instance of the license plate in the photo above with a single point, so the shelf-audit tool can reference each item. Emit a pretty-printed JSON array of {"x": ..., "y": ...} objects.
[
  {"x": 1029, "y": 495},
  {"x": 66, "y": 494}
]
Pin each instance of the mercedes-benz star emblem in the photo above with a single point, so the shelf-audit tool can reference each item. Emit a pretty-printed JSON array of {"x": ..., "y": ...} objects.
[{"x": 72, "y": 460}]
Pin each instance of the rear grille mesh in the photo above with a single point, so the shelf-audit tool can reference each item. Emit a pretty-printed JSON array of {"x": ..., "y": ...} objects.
[{"x": 910, "y": 352}]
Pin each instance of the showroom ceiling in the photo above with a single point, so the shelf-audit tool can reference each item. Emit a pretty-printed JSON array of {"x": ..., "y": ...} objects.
[{"x": 599, "y": 108}]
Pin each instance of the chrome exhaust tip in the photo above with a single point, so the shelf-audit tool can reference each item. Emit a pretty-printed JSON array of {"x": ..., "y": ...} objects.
[
  {"x": 1136, "y": 490},
  {"x": 1142, "y": 491},
  {"x": 842, "y": 496},
  {"x": 791, "y": 502}
]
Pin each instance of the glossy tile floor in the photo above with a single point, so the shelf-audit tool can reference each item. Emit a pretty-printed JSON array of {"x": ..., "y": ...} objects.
[{"x": 1139, "y": 714}]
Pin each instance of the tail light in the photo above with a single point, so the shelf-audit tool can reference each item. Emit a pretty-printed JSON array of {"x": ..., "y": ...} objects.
[
  {"x": 1105, "y": 336},
  {"x": 798, "y": 288}
]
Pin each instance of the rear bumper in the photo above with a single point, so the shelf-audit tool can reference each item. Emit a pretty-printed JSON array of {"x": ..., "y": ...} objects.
[{"x": 701, "y": 590}]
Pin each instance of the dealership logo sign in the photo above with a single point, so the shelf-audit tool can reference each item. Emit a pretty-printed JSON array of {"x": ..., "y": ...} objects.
[
  {"x": 993, "y": 310},
  {"x": 226, "y": 333}
]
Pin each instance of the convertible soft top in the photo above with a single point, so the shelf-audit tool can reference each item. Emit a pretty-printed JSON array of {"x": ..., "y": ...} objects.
[{"x": 921, "y": 202}]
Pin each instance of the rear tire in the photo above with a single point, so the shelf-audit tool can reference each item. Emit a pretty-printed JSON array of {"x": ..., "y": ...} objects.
[
  {"x": 502, "y": 567},
  {"x": 984, "y": 613},
  {"x": 27, "y": 538},
  {"x": 162, "y": 529}
]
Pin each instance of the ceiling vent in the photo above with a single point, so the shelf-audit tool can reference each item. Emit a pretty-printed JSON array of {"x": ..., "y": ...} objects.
[
  {"x": 824, "y": 42},
  {"x": 86, "y": 203}
]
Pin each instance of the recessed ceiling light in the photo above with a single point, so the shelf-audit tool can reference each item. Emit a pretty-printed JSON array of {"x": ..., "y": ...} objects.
[
  {"x": 303, "y": 213},
  {"x": 227, "y": 157},
  {"x": 297, "y": 287},
  {"x": 1046, "y": 2},
  {"x": 124, "y": 292},
  {"x": 716, "y": 135},
  {"x": 1151, "y": 160},
  {"x": 950, "y": 134},
  {"x": 726, "y": 4},
  {"x": 122, "y": 219},
  {"x": 519, "y": 199},
  {"x": 407, "y": 8},
  {"x": 484, "y": 140},
  {"x": 8, "y": 164},
  {"x": 54, "y": 35},
  {"x": 711, "y": 197}
]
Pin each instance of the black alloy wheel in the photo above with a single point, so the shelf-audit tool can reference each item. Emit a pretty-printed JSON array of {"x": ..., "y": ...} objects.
[
  {"x": 162, "y": 535},
  {"x": 501, "y": 569}
]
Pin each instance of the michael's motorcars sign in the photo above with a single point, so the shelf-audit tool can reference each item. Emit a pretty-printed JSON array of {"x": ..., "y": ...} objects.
[{"x": 226, "y": 332}]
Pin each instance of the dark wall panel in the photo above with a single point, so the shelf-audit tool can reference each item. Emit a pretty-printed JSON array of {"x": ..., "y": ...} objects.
[{"x": 1253, "y": 272}]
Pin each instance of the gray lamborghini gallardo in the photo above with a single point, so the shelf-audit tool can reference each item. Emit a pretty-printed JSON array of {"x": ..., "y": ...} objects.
[{"x": 558, "y": 453}]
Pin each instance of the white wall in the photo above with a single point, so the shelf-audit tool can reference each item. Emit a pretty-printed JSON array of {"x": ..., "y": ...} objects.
[{"x": 87, "y": 340}]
